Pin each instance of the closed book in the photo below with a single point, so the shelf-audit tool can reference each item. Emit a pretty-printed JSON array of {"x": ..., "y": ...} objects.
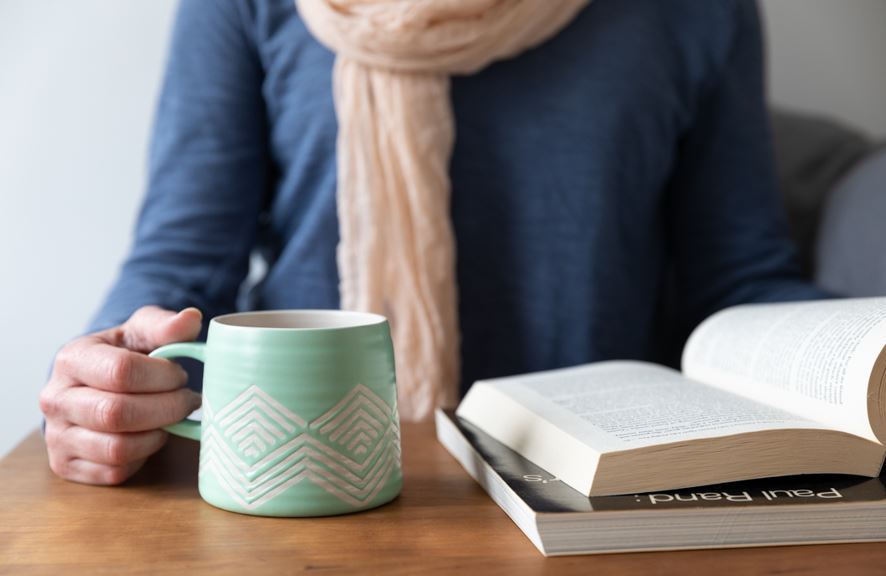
[{"x": 559, "y": 520}]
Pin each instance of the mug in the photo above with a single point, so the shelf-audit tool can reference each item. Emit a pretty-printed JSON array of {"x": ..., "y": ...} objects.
[{"x": 299, "y": 412}]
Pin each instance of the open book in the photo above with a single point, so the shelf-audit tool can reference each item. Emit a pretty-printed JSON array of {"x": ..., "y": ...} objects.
[{"x": 766, "y": 390}]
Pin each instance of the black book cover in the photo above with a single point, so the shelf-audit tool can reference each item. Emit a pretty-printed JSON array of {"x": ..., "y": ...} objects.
[{"x": 546, "y": 495}]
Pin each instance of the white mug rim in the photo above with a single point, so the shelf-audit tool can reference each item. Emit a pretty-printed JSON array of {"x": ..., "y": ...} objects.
[{"x": 299, "y": 320}]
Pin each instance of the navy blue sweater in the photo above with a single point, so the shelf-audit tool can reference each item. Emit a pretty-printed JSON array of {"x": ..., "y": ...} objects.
[{"x": 611, "y": 188}]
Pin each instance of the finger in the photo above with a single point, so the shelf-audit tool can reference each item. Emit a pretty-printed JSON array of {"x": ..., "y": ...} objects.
[
  {"x": 51, "y": 401},
  {"x": 110, "y": 449},
  {"x": 97, "y": 364},
  {"x": 105, "y": 411},
  {"x": 151, "y": 327},
  {"x": 86, "y": 472}
]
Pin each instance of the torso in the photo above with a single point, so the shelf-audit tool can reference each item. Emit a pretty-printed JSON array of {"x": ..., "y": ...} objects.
[{"x": 559, "y": 177}]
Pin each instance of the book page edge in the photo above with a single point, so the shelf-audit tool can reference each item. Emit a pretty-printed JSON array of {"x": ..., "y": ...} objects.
[
  {"x": 451, "y": 438},
  {"x": 536, "y": 439}
]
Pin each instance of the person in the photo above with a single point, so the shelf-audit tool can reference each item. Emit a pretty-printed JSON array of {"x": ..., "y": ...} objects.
[{"x": 611, "y": 187}]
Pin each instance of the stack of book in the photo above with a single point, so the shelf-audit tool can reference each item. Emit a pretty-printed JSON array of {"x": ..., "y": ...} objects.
[{"x": 773, "y": 434}]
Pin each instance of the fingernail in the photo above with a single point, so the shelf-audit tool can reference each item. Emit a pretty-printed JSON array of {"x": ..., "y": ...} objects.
[
  {"x": 197, "y": 310},
  {"x": 196, "y": 400}
]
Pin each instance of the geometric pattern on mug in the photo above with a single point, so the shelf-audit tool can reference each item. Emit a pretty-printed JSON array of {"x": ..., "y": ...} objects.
[{"x": 256, "y": 448}]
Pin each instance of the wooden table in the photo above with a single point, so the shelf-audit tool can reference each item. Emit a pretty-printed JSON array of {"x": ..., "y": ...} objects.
[{"x": 442, "y": 523}]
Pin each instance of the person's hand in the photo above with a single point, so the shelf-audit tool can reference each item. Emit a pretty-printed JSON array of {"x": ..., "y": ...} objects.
[{"x": 106, "y": 400}]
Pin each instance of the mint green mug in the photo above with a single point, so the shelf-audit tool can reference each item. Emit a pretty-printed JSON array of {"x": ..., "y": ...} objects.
[{"x": 299, "y": 412}]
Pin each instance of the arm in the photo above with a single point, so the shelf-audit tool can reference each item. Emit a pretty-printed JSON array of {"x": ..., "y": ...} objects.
[
  {"x": 106, "y": 401},
  {"x": 207, "y": 175},
  {"x": 728, "y": 228}
]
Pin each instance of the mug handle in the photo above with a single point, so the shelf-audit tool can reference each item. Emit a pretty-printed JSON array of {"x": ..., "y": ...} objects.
[{"x": 196, "y": 350}]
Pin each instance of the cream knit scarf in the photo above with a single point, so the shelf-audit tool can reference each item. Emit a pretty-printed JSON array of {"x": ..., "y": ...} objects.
[{"x": 396, "y": 254}]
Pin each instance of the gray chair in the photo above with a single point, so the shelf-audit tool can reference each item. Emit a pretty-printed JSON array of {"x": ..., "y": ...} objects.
[
  {"x": 851, "y": 247},
  {"x": 834, "y": 183}
]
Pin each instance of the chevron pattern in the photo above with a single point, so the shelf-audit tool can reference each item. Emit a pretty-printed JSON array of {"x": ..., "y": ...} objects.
[{"x": 256, "y": 448}]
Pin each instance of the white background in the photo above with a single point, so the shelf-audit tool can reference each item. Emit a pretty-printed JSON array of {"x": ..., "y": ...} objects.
[{"x": 78, "y": 80}]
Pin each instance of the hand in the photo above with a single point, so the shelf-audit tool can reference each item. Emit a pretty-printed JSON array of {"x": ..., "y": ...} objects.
[{"x": 106, "y": 400}]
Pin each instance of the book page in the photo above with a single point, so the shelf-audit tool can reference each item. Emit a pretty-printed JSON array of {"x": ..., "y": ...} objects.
[
  {"x": 813, "y": 358},
  {"x": 620, "y": 405}
]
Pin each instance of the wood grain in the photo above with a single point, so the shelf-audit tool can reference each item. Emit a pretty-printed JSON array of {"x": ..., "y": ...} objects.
[{"x": 443, "y": 523}]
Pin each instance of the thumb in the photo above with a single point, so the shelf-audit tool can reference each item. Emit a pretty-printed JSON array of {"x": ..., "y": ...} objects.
[{"x": 151, "y": 327}]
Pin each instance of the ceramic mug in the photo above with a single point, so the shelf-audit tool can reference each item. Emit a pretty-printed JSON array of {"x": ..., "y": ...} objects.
[{"x": 299, "y": 412}]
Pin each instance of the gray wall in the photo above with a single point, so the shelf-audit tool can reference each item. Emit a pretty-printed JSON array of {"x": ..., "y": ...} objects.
[
  {"x": 77, "y": 85},
  {"x": 830, "y": 57}
]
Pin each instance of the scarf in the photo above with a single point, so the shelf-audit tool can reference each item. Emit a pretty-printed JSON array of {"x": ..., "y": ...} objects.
[{"x": 396, "y": 252}]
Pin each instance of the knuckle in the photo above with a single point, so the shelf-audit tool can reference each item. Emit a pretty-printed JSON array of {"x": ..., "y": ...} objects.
[
  {"x": 146, "y": 310},
  {"x": 52, "y": 438},
  {"x": 116, "y": 450},
  {"x": 141, "y": 316},
  {"x": 50, "y": 404},
  {"x": 114, "y": 475},
  {"x": 112, "y": 413},
  {"x": 60, "y": 466},
  {"x": 120, "y": 369},
  {"x": 64, "y": 359},
  {"x": 113, "y": 336}
]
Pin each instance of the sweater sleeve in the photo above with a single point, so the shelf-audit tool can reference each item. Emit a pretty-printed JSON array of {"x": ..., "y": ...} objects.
[
  {"x": 728, "y": 229},
  {"x": 207, "y": 171}
]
